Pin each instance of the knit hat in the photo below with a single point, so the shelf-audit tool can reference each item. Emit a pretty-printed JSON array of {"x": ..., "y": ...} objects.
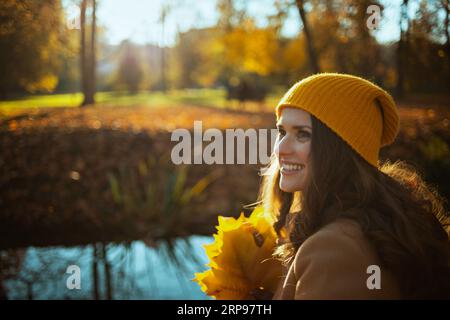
[{"x": 360, "y": 112}]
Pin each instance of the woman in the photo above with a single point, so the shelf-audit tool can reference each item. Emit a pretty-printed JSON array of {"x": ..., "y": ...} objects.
[{"x": 349, "y": 226}]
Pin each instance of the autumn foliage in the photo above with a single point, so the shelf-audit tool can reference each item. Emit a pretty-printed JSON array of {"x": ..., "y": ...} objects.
[{"x": 240, "y": 258}]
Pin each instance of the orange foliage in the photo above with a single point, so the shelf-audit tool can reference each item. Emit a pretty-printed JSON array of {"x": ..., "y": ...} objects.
[{"x": 241, "y": 257}]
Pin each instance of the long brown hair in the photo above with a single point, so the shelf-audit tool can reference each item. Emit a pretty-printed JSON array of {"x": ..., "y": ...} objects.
[{"x": 402, "y": 216}]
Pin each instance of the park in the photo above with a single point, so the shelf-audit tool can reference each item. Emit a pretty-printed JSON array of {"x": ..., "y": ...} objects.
[{"x": 124, "y": 136}]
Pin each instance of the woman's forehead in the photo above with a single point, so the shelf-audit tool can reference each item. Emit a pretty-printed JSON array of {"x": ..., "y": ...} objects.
[{"x": 294, "y": 117}]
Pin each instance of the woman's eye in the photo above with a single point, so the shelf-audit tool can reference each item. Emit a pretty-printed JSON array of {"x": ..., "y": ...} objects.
[{"x": 303, "y": 134}]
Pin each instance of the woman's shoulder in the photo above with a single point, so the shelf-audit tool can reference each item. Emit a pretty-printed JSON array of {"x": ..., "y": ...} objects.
[
  {"x": 344, "y": 227},
  {"x": 335, "y": 262},
  {"x": 341, "y": 240}
]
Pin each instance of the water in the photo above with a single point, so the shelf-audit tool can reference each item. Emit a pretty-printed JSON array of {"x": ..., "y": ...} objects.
[{"x": 137, "y": 272}]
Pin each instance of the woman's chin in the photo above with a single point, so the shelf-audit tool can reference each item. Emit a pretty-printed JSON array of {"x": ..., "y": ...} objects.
[
  {"x": 286, "y": 187},
  {"x": 292, "y": 181}
]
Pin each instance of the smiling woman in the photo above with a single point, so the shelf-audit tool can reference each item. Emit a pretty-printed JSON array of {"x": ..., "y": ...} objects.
[{"x": 340, "y": 212}]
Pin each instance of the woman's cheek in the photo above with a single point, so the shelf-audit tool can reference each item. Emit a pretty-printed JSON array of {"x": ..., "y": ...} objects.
[
  {"x": 302, "y": 152},
  {"x": 299, "y": 151}
]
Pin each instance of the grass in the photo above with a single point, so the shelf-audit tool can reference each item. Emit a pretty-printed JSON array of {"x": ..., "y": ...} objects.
[{"x": 198, "y": 97}]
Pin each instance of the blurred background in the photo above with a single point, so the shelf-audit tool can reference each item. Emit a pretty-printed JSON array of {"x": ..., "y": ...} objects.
[{"x": 90, "y": 91}]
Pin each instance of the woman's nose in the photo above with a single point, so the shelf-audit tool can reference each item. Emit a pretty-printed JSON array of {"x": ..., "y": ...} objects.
[{"x": 285, "y": 146}]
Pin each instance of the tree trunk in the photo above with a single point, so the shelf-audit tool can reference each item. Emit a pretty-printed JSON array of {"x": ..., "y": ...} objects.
[
  {"x": 109, "y": 293},
  {"x": 163, "y": 51},
  {"x": 402, "y": 49},
  {"x": 83, "y": 48},
  {"x": 95, "y": 255},
  {"x": 313, "y": 60},
  {"x": 366, "y": 51},
  {"x": 30, "y": 295},
  {"x": 89, "y": 59},
  {"x": 446, "y": 6},
  {"x": 93, "y": 65},
  {"x": 3, "y": 295}
]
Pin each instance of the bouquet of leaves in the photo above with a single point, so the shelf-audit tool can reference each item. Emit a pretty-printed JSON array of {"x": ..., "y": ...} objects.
[{"x": 240, "y": 259}]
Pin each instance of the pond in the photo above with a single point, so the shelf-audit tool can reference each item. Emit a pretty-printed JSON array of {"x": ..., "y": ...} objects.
[{"x": 137, "y": 271}]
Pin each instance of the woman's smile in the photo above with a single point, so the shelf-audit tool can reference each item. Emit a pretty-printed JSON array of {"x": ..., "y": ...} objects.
[{"x": 290, "y": 169}]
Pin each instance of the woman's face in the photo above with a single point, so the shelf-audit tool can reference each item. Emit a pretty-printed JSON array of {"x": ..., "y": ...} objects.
[{"x": 292, "y": 148}]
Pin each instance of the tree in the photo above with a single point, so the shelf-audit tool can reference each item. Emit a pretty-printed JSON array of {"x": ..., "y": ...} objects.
[
  {"x": 402, "y": 47},
  {"x": 31, "y": 35},
  {"x": 313, "y": 58},
  {"x": 130, "y": 72},
  {"x": 342, "y": 40},
  {"x": 197, "y": 59},
  {"x": 251, "y": 49},
  {"x": 365, "y": 48},
  {"x": 425, "y": 66},
  {"x": 165, "y": 11},
  {"x": 446, "y": 7},
  {"x": 83, "y": 64},
  {"x": 88, "y": 53}
]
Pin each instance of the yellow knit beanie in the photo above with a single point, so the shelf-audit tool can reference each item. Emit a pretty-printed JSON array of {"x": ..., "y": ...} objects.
[{"x": 360, "y": 112}]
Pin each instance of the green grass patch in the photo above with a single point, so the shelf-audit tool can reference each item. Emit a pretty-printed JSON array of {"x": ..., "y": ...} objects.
[{"x": 200, "y": 97}]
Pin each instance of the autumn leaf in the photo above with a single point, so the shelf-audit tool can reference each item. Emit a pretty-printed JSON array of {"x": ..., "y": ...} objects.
[{"x": 240, "y": 257}]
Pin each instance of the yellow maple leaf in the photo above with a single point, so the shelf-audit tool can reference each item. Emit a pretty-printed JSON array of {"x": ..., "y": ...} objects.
[{"x": 240, "y": 257}]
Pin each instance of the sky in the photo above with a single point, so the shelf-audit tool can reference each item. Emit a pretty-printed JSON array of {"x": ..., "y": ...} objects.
[{"x": 140, "y": 20}]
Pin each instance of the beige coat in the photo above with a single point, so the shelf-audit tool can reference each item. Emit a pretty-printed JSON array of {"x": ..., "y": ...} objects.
[{"x": 332, "y": 264}]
